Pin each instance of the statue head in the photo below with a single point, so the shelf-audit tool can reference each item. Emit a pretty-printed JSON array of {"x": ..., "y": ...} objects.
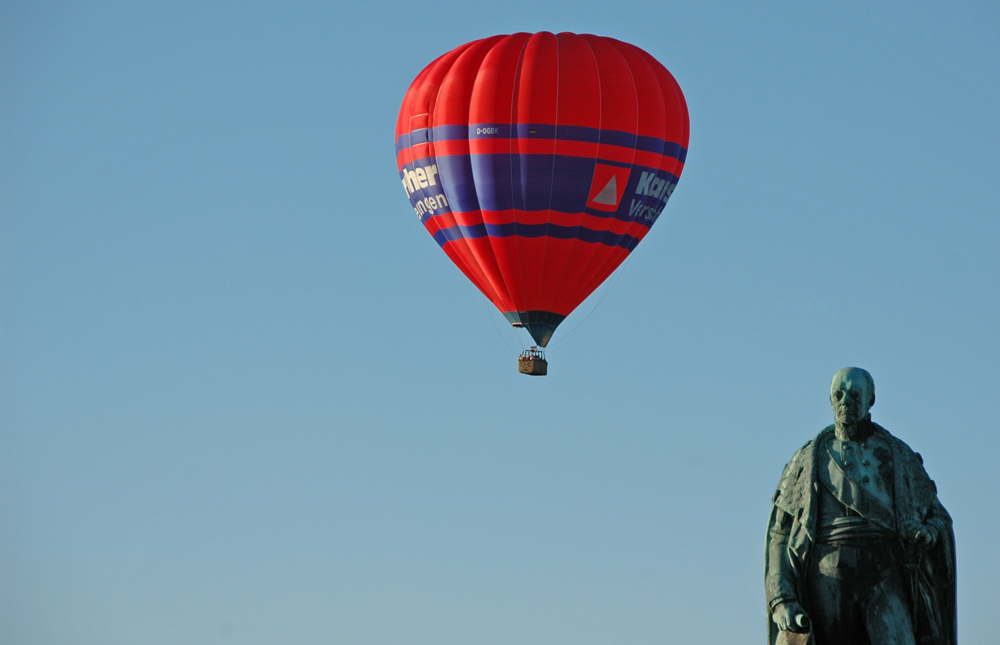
[{"x": 852, "y": 394}]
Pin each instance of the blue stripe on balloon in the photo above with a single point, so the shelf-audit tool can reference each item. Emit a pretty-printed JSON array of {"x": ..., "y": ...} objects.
[
  {"x": 541, "y": 131},
  {"x": 454, "y": 233},
  {"x": 544, "y": 182}
]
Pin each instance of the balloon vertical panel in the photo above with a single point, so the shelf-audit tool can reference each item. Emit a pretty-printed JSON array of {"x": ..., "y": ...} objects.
[{"x": 613, "y": 127}]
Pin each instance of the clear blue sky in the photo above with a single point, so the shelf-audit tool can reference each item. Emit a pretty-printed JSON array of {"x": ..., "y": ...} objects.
[{"x": 245, "y": 398}]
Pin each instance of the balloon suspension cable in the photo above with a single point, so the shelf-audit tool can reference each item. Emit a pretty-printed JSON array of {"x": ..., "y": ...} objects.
[
  {"x": 532, "y": 362},
  {"x": 490, "y": 312},
  {"x": 606, "y": 288}
]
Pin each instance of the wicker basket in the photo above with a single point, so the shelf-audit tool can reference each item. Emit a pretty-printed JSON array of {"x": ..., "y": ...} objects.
[{"x": 532, "y": 366}]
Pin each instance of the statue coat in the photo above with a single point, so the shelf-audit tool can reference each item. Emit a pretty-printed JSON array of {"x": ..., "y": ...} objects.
[{"x": 930, "y": 574}]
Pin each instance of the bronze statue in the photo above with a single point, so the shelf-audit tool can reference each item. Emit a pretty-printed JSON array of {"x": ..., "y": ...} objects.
[{"x": 859, "y": 550}]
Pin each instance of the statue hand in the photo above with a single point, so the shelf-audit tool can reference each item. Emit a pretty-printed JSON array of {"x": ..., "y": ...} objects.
[
  {"x": 923, "y": 535},
  {"x": 926, "y": 536},
  {"x": 790, "y": 617}
]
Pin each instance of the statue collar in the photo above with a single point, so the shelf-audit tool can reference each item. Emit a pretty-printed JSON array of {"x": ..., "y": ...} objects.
[{"x": 864, "y": 429}]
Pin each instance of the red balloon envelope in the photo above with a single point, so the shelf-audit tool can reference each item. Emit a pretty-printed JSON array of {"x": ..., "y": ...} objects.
[{"x": 539, "y": 161}]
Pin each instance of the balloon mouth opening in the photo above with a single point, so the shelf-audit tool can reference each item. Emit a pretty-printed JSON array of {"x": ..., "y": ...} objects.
[{"x": 540, "y": 324}]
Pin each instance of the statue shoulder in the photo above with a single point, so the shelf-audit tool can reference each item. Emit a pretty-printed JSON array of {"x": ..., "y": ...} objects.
[
  {"x": 804, "y": 454},
  {"x": 793, "y": 489},
  {"x": 900, "y": 448},
  {"x": 910, "y": 465},
  {"x": 806, "y": 451}
]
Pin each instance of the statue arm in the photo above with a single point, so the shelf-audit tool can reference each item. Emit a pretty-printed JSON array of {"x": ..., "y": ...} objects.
[
  {"x": 937, "y": 516},
  {"x": 928, "y": 521},
  {"x": 943, "y": 543},
  {"x": 779, "y": 578}
]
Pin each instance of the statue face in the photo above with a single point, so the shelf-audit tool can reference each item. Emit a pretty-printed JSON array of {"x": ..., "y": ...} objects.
[{"x": 850, "y": 395}]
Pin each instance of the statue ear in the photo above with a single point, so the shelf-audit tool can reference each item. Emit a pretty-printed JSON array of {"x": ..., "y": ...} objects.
[{"x": 872, "y": 401}]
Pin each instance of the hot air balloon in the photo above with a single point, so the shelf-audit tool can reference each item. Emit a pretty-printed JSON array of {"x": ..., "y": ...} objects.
[{"x": 538, "y": 162}]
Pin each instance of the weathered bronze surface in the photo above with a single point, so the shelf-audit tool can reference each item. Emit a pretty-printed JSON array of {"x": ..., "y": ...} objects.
[{"x": 859, "y": 551}]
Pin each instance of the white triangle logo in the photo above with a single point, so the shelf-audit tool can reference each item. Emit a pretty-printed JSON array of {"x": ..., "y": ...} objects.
[{"x": 608, "y": 194}]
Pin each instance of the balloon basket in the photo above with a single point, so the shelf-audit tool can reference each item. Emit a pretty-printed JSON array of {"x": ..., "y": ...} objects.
[{"x": 532, "y": 362}]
